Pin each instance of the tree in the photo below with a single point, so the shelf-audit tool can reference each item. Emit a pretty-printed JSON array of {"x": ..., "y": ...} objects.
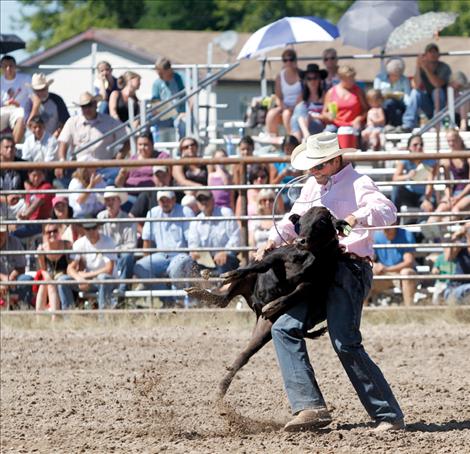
[{"x": 56, "y": 20}]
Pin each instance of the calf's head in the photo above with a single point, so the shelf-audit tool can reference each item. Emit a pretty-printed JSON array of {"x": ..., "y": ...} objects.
[{"x": 317, "y": 229}]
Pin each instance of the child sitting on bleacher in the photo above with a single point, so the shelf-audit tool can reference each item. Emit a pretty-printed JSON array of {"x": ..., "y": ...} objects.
[{"x": 375, "y": 120}]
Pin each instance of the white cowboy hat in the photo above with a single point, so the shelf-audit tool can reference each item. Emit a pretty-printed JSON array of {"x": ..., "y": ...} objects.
[
  {"x": 317, "y": 149},
  {"x": 39, "y": 81},
  {"x": 110, "y": 191}
]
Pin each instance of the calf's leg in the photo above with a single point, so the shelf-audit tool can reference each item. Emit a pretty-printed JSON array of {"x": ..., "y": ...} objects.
[{"x": 260, "y": 337}]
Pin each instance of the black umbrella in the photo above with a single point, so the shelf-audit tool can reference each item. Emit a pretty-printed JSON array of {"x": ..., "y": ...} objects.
[{"x": 9, "y": 43}]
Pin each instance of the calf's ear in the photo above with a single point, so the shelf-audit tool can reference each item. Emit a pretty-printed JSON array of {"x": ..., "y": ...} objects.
[{"x": 294, "y": 218}]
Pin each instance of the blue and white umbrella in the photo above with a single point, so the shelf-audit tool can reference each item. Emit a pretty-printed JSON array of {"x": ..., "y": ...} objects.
[{"x": 290, "y": 30}]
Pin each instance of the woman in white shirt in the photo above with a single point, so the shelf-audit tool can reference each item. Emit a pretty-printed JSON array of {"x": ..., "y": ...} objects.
[{"x": 288, "y": 93}]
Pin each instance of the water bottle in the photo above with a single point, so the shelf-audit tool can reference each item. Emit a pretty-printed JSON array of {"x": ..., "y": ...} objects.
[
  {"x": 241, "y": 132},
  {"x": 155, "y": 130},
  {"x": 229, "y": 145}
]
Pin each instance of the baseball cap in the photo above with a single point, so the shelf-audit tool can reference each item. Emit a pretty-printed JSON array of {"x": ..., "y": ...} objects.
[
  {"x": 156, "y": 169},
  {"x": 203, "y": 195},
  {"x": 58, "y": 199},
  {"x": 167, "y": 194}
]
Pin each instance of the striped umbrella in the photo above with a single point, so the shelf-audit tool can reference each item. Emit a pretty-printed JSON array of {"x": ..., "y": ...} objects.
[{"x": 290, "y": 30}]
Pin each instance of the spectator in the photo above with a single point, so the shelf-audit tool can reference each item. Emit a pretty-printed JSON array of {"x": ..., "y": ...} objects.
[
  {"x": 283, "y": 172},
  {"x": 457, "y": 196},
  {"x": 442, "y": 266},
  {"x": 395, "y": 88},
  {"x": 14, "y": 91},
  {"x": 459, "y": 291},
  {"x": 85, "y": 204},
  {"x": 431, "y": 76},
  {"x": 90, "y": 263},
  {"x": 90, "y": 125},
  {"x": 394, "y": 261},
  {"x": 258, "y": 229},
  {"x": 51, "y": 267},
  {"x": 246, "y": 148},
  {"x": 330, "y": 59},
  {"x": 119, "y": 99},
  {"x": 306, "y": 117},
  {"x": 148, "y": 199},
  {"x": 218, "y": 175},
  {"x": 105, "y": 84},
  {"x": 165, "y": 235},
  {"x": 375, "y": 121},
  {"x": 168, "y": 84},
  {"x": 190, "y": 201},
  {"x": 213, "y": 234},
  {"x": 288, "y": 92},
  {"x": 12, "y": 268},
  {"x": 63, "y": 211},
  {"x": 459, "y": 82},
  {"x": 49, "y": 106},
  {"x": 124, "y": 235},
  {"x": 418, "y": 196},
  {"x": 345, "y": 104},
  {"x": 259, "y": 174},
  {"x": 137, "y": 177},
  {"x": 192, "y": 174},
  {"x": 40, "y": 146},
  {"x": 37, "y": 206},
  {"x": 10, "y": 179}
]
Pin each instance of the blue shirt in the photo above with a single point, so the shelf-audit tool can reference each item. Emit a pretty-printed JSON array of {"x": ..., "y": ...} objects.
[
  {"x": 393, "y": 256},
  {"x": 162, "y": 90},
  {"x": 168, "y": 234},
  {"x": 225, "y": 233}
]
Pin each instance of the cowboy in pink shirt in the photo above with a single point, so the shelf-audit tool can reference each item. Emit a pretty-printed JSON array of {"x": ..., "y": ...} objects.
[{"x": 354, "y": 198}]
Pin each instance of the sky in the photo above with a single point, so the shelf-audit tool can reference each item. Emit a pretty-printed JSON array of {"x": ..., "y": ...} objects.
[{"x": 11, "y": 9}]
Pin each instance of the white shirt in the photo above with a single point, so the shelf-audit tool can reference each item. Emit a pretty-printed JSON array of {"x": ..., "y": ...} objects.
[
  {"x": 97, "y": 260},
  {"x": 15, "y": 89},
  {"x": 44, "y": 150}
]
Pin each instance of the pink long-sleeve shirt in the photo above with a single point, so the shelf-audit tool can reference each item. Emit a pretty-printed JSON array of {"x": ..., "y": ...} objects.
[{"x": 347, "y": 192}]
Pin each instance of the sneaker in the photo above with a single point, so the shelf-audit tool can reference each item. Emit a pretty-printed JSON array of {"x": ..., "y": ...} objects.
[
  {"x": 386, "y": 426},
  {"x": 312, "y": 418}
]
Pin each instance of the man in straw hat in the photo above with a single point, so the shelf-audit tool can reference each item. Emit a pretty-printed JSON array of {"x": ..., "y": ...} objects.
[
  {"x": 89, "y": 125},
  {"x": 50, "y": 106},
  {"x": 123, "y": 234},
  {"x": 355, "y": 198}
]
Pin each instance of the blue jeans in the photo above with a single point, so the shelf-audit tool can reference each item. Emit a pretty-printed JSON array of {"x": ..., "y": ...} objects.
[
  {"x": 232, "y": 263},
  {"x": 27, "y": 230},
  {"x": 24, "y": 292},
  {"x": 459, "y": 294},
  {"x": 421, "y": 100},
  {"x": 67, "y": 300},
  {"x": 352, "y": 283},
  {"x": 125, "y": 267},
  {"x": 394, "y": 109},
  {"x": 163, "y": 265}
]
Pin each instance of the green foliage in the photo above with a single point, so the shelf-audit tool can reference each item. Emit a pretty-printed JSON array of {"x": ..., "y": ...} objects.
[
  {"x": 461, "y": 7},
  {"x": 56, "y": 20}
]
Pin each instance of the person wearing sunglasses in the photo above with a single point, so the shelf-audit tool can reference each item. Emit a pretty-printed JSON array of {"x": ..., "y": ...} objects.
[
  {"x": 417, "y": 196},
  {"x": 306, "y": 118},
  {"x": 330, "y": 60},
  {"x": 51, "y": 267},
  {"x": 352, "y": 197},
  {"x": 288, "y": 92}
]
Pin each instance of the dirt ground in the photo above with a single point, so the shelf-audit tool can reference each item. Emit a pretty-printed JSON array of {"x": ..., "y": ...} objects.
[{"x": 137, "y": 387}]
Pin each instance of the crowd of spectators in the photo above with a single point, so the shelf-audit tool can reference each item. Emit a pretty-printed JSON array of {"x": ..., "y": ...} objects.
[{"x": 306, "y": 102}]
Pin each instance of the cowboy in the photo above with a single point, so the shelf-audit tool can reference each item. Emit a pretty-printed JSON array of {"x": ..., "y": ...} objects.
[
  {"x": 50, "y": 106},
  {"x": 123, "y": 234},
  {"x": 353, "y": 197}
]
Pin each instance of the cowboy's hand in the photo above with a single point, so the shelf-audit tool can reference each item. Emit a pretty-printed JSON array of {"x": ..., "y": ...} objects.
[
  {"x": 260, "y": 253},
  {"x": 272, "y": 308}
]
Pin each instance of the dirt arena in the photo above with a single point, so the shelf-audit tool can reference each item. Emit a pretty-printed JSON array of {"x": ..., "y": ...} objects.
[{"x": 148, "y": 385}]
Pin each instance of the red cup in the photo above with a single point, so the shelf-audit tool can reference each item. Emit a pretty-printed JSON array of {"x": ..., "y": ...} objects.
[{"x": 347, "y": 137}]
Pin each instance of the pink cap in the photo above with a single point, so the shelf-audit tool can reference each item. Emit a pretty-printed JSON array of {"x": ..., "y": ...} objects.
[{"x": 59, "y": 198}]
